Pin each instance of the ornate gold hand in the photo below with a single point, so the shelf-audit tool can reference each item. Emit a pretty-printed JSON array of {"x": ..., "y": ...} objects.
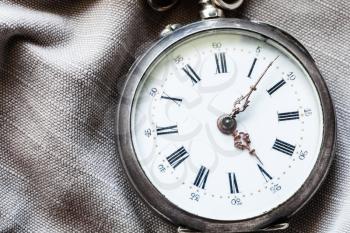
[
  {"x": 243, "y": 102},
  {"x": 242, "y": 142}
]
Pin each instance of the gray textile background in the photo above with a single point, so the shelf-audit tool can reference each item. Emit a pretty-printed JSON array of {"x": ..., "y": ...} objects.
[{"x": 62, "y": 64}]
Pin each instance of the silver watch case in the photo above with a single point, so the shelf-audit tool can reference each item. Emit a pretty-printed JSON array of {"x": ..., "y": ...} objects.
[{"x": 155, "y": 199}]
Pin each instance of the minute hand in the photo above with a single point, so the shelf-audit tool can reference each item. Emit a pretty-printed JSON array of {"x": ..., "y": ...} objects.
[{"x": 242, "y": 102}]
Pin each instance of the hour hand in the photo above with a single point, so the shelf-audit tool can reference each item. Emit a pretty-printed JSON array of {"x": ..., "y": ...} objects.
[{"x": 242, "y": 142}]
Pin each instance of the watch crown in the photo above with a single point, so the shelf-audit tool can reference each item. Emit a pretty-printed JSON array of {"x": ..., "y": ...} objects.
[{"x": 169, "y": 29}]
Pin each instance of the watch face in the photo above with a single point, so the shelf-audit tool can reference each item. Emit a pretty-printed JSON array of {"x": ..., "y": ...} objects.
[{"x": 262, "y": 160}]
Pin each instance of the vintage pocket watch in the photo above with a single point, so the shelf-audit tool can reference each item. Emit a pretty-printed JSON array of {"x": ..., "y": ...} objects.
[{"x": 225, "y": 125}]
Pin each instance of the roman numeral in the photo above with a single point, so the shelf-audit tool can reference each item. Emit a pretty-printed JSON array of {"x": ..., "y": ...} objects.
[
  {"x": 276, "y": 87},
  {"x": 252, "y": 67},
  {"x": 286, "y": 116},
  {"x": 167, "y": 130},
  {"x": 283, "y": 147},
  {"x": 176, "y": 158},
  {"x": 264, "y": 173},
  {"x": 201, "y": 178},
  {"x": 177, "y": 101},
  {"x": 220, "y": 59},
  {"x": 233, "y": 182},
  {"x": 191, "y": 74}
]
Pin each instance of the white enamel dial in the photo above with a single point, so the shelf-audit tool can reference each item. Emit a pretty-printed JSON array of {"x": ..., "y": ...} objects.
[{"x": 190, "y": 161}]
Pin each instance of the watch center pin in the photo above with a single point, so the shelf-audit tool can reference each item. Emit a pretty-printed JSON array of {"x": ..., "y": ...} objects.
[{"x": 226, "y": 124}]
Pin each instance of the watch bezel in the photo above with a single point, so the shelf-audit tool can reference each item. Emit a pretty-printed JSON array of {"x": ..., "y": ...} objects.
[{"x": 155, "y": 199}]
